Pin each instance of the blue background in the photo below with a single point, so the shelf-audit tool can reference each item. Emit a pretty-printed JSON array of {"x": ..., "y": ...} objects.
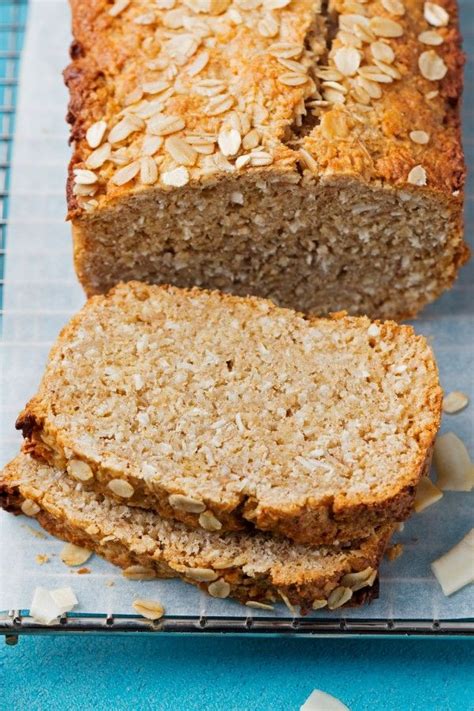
[
  {"x": 229, "y": 673},
  {"x": 234, "y": 674}
]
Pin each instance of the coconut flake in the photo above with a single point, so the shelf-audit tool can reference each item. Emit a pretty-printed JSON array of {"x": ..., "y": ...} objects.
[
  {"x": 455, "y": 569},
  {"x": 453, "y": 464},
  {"x": 427, "y": 494},
  {"x": 321, "y": 701}
]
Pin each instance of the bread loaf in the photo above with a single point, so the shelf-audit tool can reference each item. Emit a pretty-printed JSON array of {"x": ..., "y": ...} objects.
[
  {"x": 222, "y": 411},
  {"x": 255, "y": 568},
  {"x": 304, "y": 151}
]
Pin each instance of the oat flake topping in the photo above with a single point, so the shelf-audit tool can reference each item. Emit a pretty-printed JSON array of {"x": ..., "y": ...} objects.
[{"x": 190, "y": 113}]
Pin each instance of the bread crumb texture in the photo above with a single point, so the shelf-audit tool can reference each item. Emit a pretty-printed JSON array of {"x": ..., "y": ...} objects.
[
  {"x": 248, "y": 567},
  {"x": 305, "y": 151},
  {"x": 220, "y": 411}
]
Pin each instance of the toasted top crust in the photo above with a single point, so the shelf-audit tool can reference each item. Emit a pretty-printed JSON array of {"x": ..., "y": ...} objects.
[
  {"x": 195, "y": 89},
  {"x": 224, "y": 400}
]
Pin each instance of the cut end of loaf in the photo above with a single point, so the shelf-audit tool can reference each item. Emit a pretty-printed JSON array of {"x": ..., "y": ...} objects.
[
  {"x": 312, "y": 155},
  {"x": 313, "y": 246}
]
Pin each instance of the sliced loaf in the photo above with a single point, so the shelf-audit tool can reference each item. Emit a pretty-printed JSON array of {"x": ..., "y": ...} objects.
[
  {"x": 248, "y": 567},
  {"x": 219, "y": 411}
]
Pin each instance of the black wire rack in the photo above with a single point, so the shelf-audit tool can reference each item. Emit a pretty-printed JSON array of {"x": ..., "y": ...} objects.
[
  {"x": 15, "y": 625},
  {"x": 12, "y": 30}
]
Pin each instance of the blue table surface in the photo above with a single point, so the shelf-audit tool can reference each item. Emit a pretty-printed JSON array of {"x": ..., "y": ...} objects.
[{"x": 234, "y": 674}]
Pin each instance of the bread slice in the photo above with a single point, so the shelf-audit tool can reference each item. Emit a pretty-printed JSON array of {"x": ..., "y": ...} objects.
[
  {"x": 248, "y": 567},
  {"x": 220, "y": 411},
  {"x": 309, "y": 153}
]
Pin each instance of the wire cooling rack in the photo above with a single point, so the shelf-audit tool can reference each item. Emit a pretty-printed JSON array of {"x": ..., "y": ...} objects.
[
  {"x": 13, "y": 15},
  {"x": 15, "y": 625},
  {"x": 42, "y": 292}
]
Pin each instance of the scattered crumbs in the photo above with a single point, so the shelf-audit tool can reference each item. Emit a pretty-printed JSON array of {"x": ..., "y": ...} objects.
[
  {"x": 394, "y": 552},
  {"x": 34, "y": 532},
  {"x": 83, "y": 571},
  {"x": 42, "y": 558},
  {"x": 110, "y": 583}
]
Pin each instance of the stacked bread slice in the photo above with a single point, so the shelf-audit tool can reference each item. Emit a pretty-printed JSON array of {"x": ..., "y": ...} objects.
[
  {"x": 251, "y": 450},
  {"x": 248, "y": 566}
]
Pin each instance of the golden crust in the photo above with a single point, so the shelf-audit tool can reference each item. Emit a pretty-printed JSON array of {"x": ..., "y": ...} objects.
[
  {"x": 83, "y": 520},
  {"x": 112, "y": 55},
  {"x": 380, "y": 149},
  {"x": 319, "y": 520}
]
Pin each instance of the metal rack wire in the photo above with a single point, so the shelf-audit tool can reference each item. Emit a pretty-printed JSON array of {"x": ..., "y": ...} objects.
[
  {"x": 15, "y": 625},
  {"x": 12, "y": 28}
]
